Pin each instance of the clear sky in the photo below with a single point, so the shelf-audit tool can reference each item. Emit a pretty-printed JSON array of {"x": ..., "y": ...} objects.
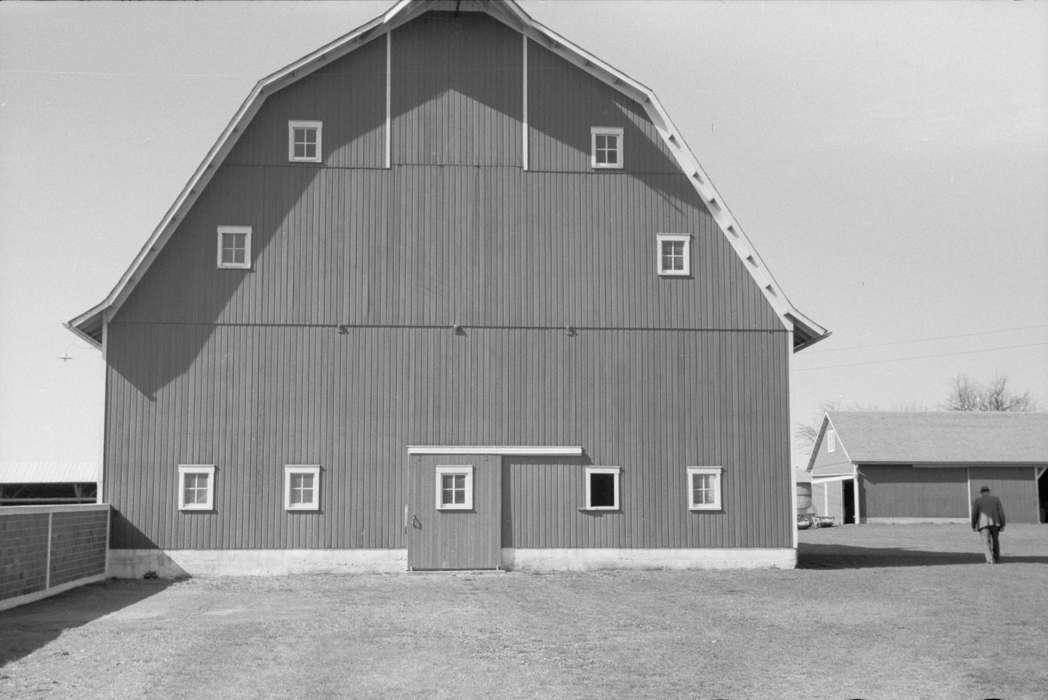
[{"x": 888, "y": 160}]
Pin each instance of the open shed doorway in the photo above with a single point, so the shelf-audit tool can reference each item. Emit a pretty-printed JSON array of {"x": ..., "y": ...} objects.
[
  {"x": 848, "y": 501},
  {"x": 1042, "y": 494}
]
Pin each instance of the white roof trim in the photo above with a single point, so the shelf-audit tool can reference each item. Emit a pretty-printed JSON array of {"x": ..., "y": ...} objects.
[
  {"x": 510, "y": 13},
  {"x": 505, "y": 450},
  {"x": 830, "y": 479}
]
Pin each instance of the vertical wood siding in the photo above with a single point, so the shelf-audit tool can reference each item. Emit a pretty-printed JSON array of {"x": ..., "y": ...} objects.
[
  {"x": 252, "y": 399},
  {"x": 1015, "y": 486},
  {"x": 457, "y": 95},
  {"x": 905, "y": 492},
  {"x": 348, "y": 96},
  {"x": 564, "y": 103},
  {"x": 422, "y": 245},
  {"x": 830, "y": 463}
]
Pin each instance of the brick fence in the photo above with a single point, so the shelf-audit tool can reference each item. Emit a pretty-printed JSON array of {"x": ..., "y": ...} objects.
[{"x": 45, "y": 550}]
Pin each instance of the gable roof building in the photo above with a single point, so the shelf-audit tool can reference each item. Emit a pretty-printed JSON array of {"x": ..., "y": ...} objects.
[
  {"x": 448, "y": 292},
  {"x": 900, "y": 466}
]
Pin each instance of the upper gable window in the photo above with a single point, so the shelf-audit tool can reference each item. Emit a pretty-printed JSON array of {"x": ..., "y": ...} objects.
[
  {"x": 673, "y": 254},
  {"x": 303, "y": 141},
  {"x": 831, "y": 440},
  {"x": 234, "y": 246},
  {"x": 606, "y": 147}
]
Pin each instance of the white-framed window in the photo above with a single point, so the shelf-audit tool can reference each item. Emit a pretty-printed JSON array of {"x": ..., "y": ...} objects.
[
  {"x": 602, "y": 488},
  {"x": 455, "y": 487},
  {"x": 234, "y": 247},
  {"x": 196, "y": 486},
  {"x": 831, "y": 440},
  {"x": 704, "y": 488},
  {"x": 673, "y": 254},
  {"x": 304, "y": 142},
  {"x": 605, "y": 147},
  {"x": 301, "y": 487}
]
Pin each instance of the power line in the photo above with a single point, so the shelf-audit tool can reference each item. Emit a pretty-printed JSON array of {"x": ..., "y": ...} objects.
[
  {"x": 921, "y": 357},
  {"x": 922, "y": 340}
]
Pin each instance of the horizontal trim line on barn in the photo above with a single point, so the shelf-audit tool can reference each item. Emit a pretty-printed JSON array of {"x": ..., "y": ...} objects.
[
  {"x": 506, "y": 450},
  {"x": 448, "y": 326},
  {"x": 324, "y": 166}
]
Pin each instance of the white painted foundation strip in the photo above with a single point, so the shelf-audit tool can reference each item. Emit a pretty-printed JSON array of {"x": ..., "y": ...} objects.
[
  {"x": 591, "y": 559},
  {"x": 9, "y": 603},
  {"x": 510, "y": 450},
  {"x": 134, "y": 563}
]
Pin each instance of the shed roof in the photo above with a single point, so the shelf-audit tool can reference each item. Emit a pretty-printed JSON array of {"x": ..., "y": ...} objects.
[
  {"x": 89, "y": 325},
  {"x": 944, "y": 436},
  {"x": 48, "y": 472}
]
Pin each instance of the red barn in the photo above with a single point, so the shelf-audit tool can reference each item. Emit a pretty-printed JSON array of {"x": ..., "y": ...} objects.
[{"x": 449, "y": 292}]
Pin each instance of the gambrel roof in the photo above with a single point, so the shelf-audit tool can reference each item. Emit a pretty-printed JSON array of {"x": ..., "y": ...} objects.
[
  {"x": 942, "y": 437},
  {"x": 89, "y": 325}
]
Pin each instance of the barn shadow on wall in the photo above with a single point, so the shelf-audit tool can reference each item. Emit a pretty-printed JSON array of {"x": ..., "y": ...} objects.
[
  {"x": 30, "y": 627},
  {"x": 184, "y": 287}
]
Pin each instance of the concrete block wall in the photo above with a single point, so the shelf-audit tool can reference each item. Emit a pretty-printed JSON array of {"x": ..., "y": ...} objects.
[{"x": 45, "y": 550}]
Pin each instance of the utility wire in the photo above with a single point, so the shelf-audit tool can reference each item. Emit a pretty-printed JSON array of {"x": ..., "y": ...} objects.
[
  {"x": 920, "y": 357},
  {"x": 922, "y": 340}
]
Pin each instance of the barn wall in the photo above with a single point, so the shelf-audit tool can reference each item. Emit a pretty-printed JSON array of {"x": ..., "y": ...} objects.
[
  {"x": 251, "y": 399},
  {"x": 444, "y": 236},
  {"x": 348, "y": 96},
  {"x": 1015, "y": 486},
  {"x": 564, "y": 103},
  {"x": 904, "y": 492},
  {"x": 334, "y": 348},
  {"x": 422, "y": 245}
]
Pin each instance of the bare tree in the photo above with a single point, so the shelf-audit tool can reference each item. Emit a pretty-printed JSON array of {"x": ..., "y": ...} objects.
[{"x": 967, "y": 394}]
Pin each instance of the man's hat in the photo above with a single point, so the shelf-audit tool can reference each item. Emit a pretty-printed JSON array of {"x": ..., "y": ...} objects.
[{"x": 984, "y": 489}]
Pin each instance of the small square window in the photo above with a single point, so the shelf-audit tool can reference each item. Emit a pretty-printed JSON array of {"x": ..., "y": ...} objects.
[
  {"x": 234, "y": 247},
  {"x": 673, "y": 255},
  {"x": 831, "y": 440},
  {"x": 605, "y": 147},
  {"x": 704, "y": 488},
  {"x": 301, "y": 487},
  {"x": 602, "y": 488},
  {"x": 455, "y": 487},
  {"x": 196, "y": 486},
  {"x": 304, "y": 141}
]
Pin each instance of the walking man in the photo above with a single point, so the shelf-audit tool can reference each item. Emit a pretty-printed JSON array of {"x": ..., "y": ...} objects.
[{"x": 988, "y": 519}]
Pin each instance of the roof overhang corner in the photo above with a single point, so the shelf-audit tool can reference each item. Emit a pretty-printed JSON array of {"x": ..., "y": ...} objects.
[
  {"x": 88, "y": 325},
  {"x": 806, "y": 332}
]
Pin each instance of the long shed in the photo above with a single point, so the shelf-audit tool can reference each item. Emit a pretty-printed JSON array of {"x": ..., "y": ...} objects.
[
  {"x": 449, "y": 292},
  {"x": 870, "y": 467}
]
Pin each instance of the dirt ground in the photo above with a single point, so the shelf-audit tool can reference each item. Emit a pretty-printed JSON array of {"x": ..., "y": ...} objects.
[{"x": 873, "y": 612}]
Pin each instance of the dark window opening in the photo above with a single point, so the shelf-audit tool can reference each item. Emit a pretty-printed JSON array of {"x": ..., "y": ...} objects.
[
  {"x": 602, "y": 490},
  {"x": 47, "y": 494}
]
